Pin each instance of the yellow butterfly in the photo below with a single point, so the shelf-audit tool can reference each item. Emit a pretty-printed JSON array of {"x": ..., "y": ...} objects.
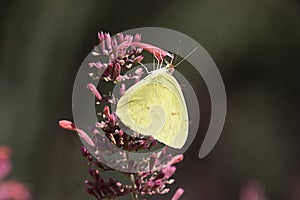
[{"x": 155, "y": 106}]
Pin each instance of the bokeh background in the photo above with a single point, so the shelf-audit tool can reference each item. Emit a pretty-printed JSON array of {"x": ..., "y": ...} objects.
[{"x": 255, "y": 44}]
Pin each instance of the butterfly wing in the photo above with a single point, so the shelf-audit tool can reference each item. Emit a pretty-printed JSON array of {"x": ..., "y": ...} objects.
[{"x": 155, "y": 106}]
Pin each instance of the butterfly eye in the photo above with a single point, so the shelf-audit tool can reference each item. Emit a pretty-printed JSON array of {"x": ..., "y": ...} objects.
[
  {"x": 170, "y": 66},
  {"x": 169, "y": 62}
]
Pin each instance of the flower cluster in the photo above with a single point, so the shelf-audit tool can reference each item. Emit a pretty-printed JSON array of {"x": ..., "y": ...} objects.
[
  {"x": 253, "y": 190},
  {"x": 122, "y": 55},
  {"x": 10, "y": 189},
  {"x": 147, "y": 176},
  {"x": 154, "y": 182},
  {"x": 120, "y": 138}
]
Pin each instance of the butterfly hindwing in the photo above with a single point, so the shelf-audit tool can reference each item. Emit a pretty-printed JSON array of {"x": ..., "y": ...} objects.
[{"x": 155, "y": 106}]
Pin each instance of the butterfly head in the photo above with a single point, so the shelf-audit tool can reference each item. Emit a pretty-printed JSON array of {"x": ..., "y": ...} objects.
[{"x": 170, "y": 66}]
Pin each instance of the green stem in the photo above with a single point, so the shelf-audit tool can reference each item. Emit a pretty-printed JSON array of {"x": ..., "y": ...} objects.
[{"x": 134, "y": 194}]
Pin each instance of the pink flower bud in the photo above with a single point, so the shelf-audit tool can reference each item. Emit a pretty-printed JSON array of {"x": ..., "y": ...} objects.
[
  {"x": 128, "y": 38},
  {"x": 108, "y": 41},
  {"x": 120, "y": 37},
  {"x": 157, "y": 52},
  {"x": 137, "y": 37},
  {"x": 122, "y": 89},
  {"x": 14, "y": 190},
  {"x": 67, "y": 125},
  {"x": 112, "y": 119},
  {"x": 5, "y": 153},
  {"x": 94, "y": 91},
  {"x": 139, "y": 59},
  {"x": 176, "y": 159},
  {"x": 169, "y": 171},
  {"x": 5, "y": 163},
  {"x": 179, "y": 192},
  {"x": 252, "y": 191},
  {"x": 106, "y": 111},
  {"x": 152, "y": 161},
  {"x": 139, "y": 73},
  {"x": 97, "y": 64},
  {"x": 119, "y": 78},
  {"x": 121, "y": 133},
  {"x": 117, "y": 70},
  {"x": 100, "y": 124},
  {"x": 85, "y": 137},
  {"x": 101, "y": 36}
]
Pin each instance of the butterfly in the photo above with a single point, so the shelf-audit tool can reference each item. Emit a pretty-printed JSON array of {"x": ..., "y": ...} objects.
[{"x": 155, "y": 106}]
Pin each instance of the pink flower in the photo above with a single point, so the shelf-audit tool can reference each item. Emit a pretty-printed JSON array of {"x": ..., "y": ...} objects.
[
  {"x": 13, "y": 190},
  {"x": 138, "y": 74},
  {"x": 176, "y": 159},
  {"x": 252, "y": 191},
  {"x": 94, "y": 91},
  {"x": 178, "y": 194},
  {"x": 5, "y": 164},
  {"x": 122, "y": 89},
  {"x": 67, "y": 125},
  {"x": 123, "y": 52},
  {"x": 83, "y": 135},
  {"x": 169, "y": 171},
  {"x": 71, "y": 126},
  {"x": 10, "y": 190},
  {"x": 106, "y": 111},
  {"x": 137, "y": 37},
  {"x": 97, "y": 64},
  {"x": 158, "y": 53}
]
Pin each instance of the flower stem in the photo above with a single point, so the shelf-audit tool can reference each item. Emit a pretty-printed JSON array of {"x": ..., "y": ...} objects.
[{"x": 134, "y": 194}]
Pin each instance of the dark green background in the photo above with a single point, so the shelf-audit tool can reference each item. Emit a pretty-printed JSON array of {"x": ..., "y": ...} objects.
[{"x": 255, "y": 44}]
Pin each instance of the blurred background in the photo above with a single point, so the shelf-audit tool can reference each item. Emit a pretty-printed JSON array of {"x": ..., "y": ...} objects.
[{"x": 255, "y": 44}]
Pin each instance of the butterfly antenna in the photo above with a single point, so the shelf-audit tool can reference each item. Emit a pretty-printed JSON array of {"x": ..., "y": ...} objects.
[
  {"x": 186, "y": 57},
  {"x": 177, "y": 52}
]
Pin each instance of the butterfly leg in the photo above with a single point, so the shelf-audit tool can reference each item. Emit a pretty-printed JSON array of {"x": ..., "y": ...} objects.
[
  {"x": 157, "y": 67},
  {"x": 144, "y": 67},
  {"x": 160, "y": 60}
]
